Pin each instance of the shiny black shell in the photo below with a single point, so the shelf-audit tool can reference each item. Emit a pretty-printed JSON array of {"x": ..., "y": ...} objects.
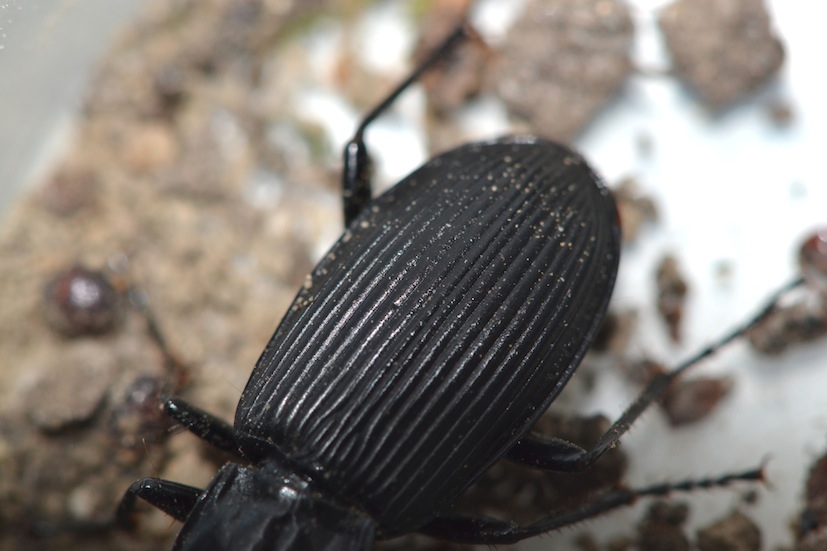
[{"x": 437, "y": 329}]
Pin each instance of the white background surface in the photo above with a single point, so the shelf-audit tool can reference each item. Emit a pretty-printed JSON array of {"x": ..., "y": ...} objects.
[
  {"x": 734, "y": 189},
  {"x": 47, "y": 49}
]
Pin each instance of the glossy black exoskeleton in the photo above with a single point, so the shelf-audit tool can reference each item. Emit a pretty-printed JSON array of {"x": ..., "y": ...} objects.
[{"x": 426, "y": 344}]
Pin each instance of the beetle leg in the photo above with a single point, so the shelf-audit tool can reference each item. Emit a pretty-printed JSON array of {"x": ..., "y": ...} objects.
[
  {"x": 176, "y": 500},
  {"x": 177, "y": 370},
  {"x": 558, "y": 455},
  {"x": 546, "y": 453},
  {"x": 356, "y": 174},
  {"x": 206, "y": 426},
  {"x": 490, "y": 531}
]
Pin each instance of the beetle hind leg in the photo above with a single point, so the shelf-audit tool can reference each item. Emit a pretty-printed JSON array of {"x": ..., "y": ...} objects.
[{"x": 489, "y": 531}]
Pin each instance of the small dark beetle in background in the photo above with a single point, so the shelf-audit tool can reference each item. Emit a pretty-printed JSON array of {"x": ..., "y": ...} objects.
[{"x": 422, "y": 350}]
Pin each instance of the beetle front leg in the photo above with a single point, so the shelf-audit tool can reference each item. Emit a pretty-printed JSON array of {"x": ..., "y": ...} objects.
[
  {"x": 205, "y": 426},
  {"x": 176, "y": 500},
  {"x": 177, "y": 371},
  {"x": 490, "y": 531},
  {"x": 554, "y": 454}
]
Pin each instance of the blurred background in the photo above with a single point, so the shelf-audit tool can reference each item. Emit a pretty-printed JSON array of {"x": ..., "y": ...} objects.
[{"x": 737, "y": 186}]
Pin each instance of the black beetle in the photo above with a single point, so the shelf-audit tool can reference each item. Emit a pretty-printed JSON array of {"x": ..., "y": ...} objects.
[{"x": 423, "y": 348}]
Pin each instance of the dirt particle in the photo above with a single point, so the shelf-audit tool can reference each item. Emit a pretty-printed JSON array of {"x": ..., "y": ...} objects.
[
  {"x": 60, "y": 402},
  {"x": 735, "y": 532},
  {"x": 662, "y": 527},
  {"x": 671, "y": 290},
  {"x": 636, "y": 208},
  {"x": 559, "y": 93},
  {"x": 150, "y": 148},
  {"x": 69, "y": 190},
  {"x": 812, "y": 523},
  {"x": 723, "y": 49},
  {"x": 813, "y": 258}
]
